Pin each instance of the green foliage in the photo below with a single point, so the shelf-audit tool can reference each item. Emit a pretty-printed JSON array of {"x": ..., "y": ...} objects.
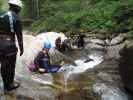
[
  {"x": 88, "y": 15},
  {"x": 123, "y": 17},
  {"x": 25, "y": 10},
  {"x": 0, "y": 4},
  {"x": 59, "y": 16},
  {"x": 100, "y": 15},
  {"x": 3, "y": 5},
  {"x": 75, "y": 15}
]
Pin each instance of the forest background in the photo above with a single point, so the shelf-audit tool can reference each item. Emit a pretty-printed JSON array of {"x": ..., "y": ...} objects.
[{"x": 108, "y": 16}]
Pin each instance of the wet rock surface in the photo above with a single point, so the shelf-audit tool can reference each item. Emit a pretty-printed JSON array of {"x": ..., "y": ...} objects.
[
  {"x": 125, "y": 66},
  {"x": 79, "y": 86}
]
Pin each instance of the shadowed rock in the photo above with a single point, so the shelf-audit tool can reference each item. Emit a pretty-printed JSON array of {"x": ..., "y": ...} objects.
[{"x": 126, "y": 66}]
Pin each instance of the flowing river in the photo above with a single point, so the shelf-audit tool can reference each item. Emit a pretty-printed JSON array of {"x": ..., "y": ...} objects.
[{"x": 73, "y": 81}]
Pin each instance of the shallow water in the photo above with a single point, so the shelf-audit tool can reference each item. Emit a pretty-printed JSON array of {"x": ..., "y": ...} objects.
[{"x": 72, "y": 82}]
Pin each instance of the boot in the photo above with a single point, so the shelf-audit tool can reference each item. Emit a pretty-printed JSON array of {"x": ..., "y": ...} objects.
[{"x": 12, "y": 86}]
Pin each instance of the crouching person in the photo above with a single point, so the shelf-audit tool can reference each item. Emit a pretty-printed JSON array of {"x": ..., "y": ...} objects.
[{"x": 42, "y": 61}]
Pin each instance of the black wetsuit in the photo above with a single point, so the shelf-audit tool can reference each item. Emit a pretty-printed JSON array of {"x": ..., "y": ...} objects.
[
  {"x": 42, "y": 60},
  {"x": 80, "y": 40},
  {"x": 58, "y": 44},
  {"x": 8, "y": 49}
]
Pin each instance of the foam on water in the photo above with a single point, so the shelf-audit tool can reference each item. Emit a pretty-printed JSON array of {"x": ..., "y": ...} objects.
[{"x": 82, "y": 66}]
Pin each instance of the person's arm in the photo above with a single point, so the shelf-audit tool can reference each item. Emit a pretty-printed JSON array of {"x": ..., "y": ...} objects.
[
  {"x": 38, "y": 58},
  {"x": 19, "y": 36}
]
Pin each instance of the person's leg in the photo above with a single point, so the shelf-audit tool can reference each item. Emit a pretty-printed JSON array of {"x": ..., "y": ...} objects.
[
  {"x": 4, "y": 71},
  {"x": 11, "y": 64},
  {"x": 8, "y": 72}
]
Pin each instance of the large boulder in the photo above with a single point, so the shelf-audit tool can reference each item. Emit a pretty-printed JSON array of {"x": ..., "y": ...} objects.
[
  {"x": 112, "y": 52},
  {"x": 126, "y": 66},
  {"x": 97, "y": 41},
  {"x": 117, "y": 40},
  {"x": 93, "y": 46}
]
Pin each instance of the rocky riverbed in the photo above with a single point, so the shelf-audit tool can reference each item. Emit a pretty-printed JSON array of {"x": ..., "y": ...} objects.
[{"x": 101, "y": 81}]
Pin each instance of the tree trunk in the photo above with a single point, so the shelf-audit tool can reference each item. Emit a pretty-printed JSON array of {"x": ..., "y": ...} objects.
[{"x": 33, "y": 9}]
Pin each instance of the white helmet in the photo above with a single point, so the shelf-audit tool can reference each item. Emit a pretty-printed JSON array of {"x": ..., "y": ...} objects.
[{"x": 16, "y": 2}]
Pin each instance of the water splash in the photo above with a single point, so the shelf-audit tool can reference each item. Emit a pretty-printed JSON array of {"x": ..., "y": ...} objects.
[{"x": 81, "y": 66}]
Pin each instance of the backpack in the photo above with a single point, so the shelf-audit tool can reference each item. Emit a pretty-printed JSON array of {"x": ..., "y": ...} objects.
[{"x": 6, "y": 19}]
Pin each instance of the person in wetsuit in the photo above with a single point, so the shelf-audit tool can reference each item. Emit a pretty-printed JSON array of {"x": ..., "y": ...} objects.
[
  {"x": 58, "y": 43},
  {"x": 80, "y": 40},
  {"x": 8, "y": 48},
  {"x": 42, "y": 60}
]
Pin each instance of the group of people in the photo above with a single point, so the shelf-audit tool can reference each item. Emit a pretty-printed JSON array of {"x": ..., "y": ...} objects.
[
  {"x": 42, "y": 61},
  {"x": 9, "y": 31}
]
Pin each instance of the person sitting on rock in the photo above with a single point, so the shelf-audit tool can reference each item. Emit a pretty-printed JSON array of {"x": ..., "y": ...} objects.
[
  {"x": 58, "y": 43},
  {"x": 65, "y": 46},
  {"x": 42, "y": 61}
]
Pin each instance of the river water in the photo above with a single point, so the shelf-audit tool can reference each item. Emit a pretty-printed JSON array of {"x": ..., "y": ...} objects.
[{"x": 72, "y": 82}]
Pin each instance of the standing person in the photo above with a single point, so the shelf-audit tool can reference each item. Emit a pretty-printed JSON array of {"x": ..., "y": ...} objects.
[
  {"x": 8, "y": 49},
  {"x": 80, "y": 40}
]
